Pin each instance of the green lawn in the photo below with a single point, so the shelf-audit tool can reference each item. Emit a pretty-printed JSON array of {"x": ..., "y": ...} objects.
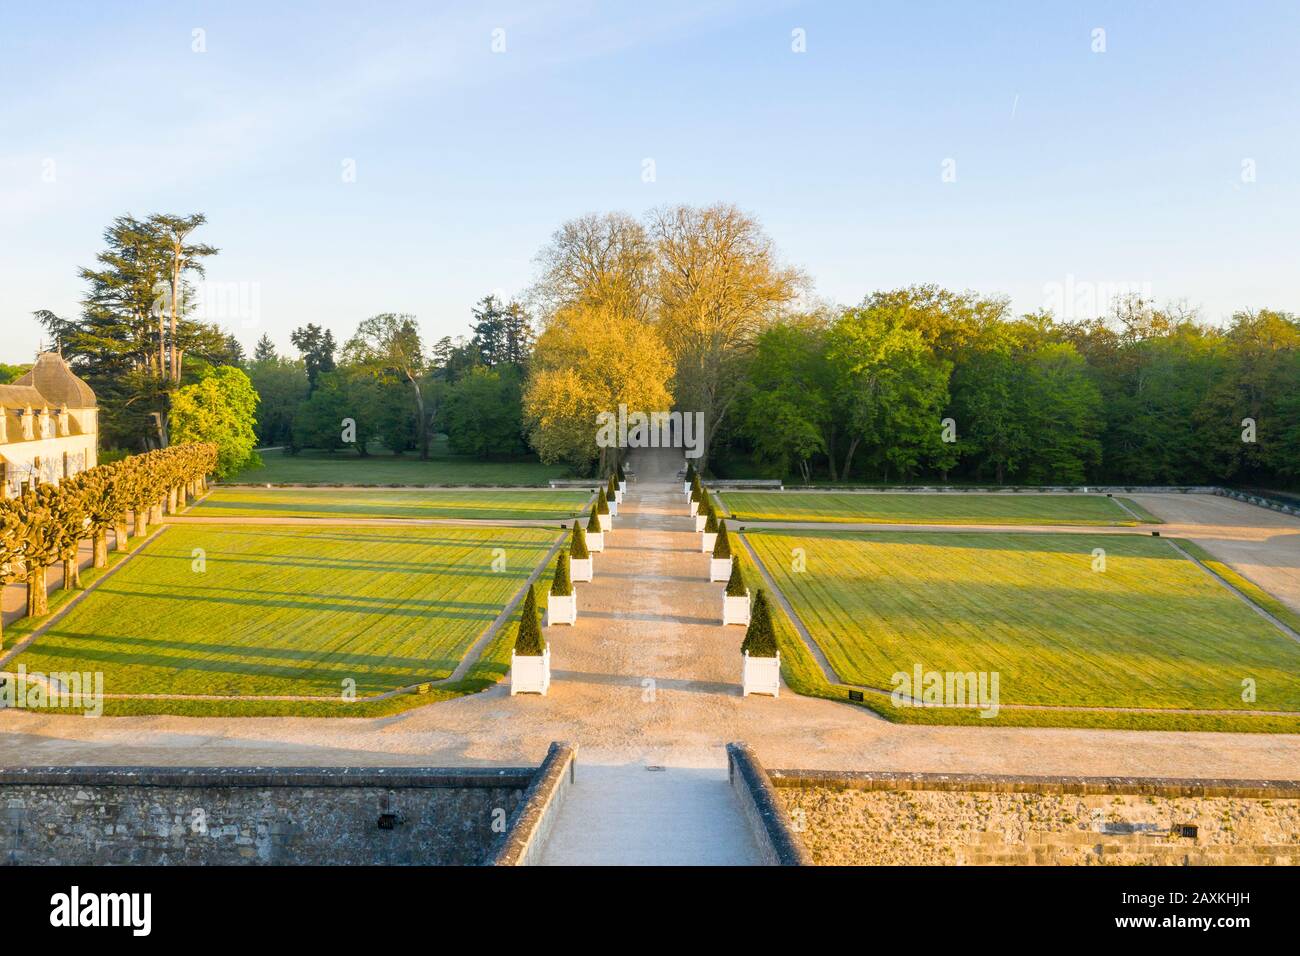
[
  {"x": 292, "y": 611},
  {"x": 390, "y": 503},
  {"x": 381, "y": 468},
  {"x": 1151, "y": 631},
  {"x": 921, "y": 508}
]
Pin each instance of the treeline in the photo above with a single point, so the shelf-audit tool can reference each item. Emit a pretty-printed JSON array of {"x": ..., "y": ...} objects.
[
  {"x": 924, "y": 383},
  {"x": 383, "y": 386},
  {"x": 46, "y": 523}
]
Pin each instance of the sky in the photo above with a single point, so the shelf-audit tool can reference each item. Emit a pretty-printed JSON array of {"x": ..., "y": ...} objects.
[{"x": 357, "y": 158}]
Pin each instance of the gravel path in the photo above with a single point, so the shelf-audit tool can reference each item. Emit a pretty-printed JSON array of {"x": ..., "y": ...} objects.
[{"x": 649, "y": 676}]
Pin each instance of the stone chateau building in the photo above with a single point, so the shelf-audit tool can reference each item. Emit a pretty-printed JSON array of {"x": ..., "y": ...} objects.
[{"x": 49, "y": 425}]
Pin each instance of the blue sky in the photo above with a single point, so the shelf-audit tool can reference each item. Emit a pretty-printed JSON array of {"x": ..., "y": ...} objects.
[{"x": 1074, "y": 169}]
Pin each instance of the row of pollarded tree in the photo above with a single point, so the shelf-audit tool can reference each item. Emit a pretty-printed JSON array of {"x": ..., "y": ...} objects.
[{"x": 46, "y": 523}]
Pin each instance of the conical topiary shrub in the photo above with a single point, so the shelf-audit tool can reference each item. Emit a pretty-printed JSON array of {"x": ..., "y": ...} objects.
[
  {"x": 561, "y": 584},
  {"x": 760, "y": 636},
  {"x": 690, "y": 473},
  {"x": 711, "y": 522},
  {"x": 611, "y": 486},
  {"x": 722, "y": 546},
  {"x": 529, "y": 641},
  {"x": 620, "y": 474},
  {"x": 736, "y": 583},
  {"x": 602, "y": 503},
  {"x": 578, "y": 543},
  {"x": 697, "y": 490},
  {"x": 593, "y": 522}
]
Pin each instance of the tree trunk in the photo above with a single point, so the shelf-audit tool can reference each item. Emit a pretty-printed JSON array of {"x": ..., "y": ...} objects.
[
  {"x": 38, "y": 604},
  {"x": 173, "y": 501},
  {"x": 141, "y": 524},
  {"x": 121, "y": 535},
  {"x": 848, "y": 459},
  {"x": 71, "y": 573},
  {"x": 830, "y": 453},
  {"x": 424, "y": 424},
  {"x": 1000, "y": 473},
  {"x": 100, "y": 548}
]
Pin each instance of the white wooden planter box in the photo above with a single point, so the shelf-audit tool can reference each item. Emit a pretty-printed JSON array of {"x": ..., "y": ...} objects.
[
  {"x": 735, "y": 610},
  {"x": 761, "y": 675},
  {"x": 530, "y": 675},
  {"x": 707, "y": 540},
  {"x": 561, "y": 609},
  {"x": 595, "y": 541},
  {"x": 694, "y": 507},
  {"x": 719, "y": 569},
  {"x": 686, "y": 488},
  {"x": 613, "y": 508},
  {"x": 580, "y": 569},
  {"x": 606, "y": 523},
  {"x": 622, "y": 487},
  {"x": 700, "y": 521},
  {"x": 618, "y": 495}
]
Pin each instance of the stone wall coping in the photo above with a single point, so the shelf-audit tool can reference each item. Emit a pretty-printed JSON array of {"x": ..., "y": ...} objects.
[
  {"x": 388, "y": 777},
  {"x": 1012, "y": 783},
  {"x": 531, "y": 824},
  {"x": 744, "y": 769}
]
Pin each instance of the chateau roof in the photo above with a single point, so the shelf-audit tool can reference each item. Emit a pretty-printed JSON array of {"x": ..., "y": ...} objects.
[
  {"x": 21, "y": 396},
  {"x": 54, "y": 380}
]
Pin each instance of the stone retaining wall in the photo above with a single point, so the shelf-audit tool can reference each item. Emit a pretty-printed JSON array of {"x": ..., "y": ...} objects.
[
  {"x": 254, "y": 815},
  {"x": 893, "y": 819}
]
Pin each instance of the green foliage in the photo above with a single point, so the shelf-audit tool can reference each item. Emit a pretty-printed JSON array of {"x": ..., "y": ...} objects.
[
  {"x": 529, "y": 641},
  {"x": 578, "y": 543},
  {"x": 221, "y": 409},
  {"x": 481, "y": 413},
  {"x": 281, "y": 387},
  {"x": 319, "y": 420},
  {"x": 593, "y": 522},
  {"x": 690, "y": 473},
  {"x": 620, "y": 474},
  {"x": 760, "y": 636},
  {"x": 562, "y": 582},
  {"x": 317, "y": 347},
  {"x": 736, "y": 583},
  {"x": 722, "y": 546},
  {"x": 611, "y": 488},
  {"x": 711, "y": 522},
  {"x": 602, "y": 503}
]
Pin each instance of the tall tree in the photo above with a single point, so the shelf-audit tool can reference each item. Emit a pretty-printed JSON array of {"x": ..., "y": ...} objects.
[
  {"x": 316, "y": 346},
  {"x": 590, "y": 360},
  {"x": 265, "y": 350},
  {"x": 134, "y": 330},
  {"x": 172, "y": 233},
  {"x": 387, "y": 346},
  {"x": 717, "y": 283}
]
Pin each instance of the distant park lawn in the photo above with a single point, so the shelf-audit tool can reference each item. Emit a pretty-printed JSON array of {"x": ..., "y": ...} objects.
[
  {"x": 381, "y": 468},
  {"x": 1152, "y": 630},
  {"x": 290, "y": 611},
  {"x": 921, "y": 508},
  {"x": 484, "y": 505}
]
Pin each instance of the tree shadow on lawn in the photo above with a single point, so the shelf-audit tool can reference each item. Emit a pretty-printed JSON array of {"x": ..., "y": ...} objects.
[
  {"x": 312, "y": 602},
  {"x": 324, "y": 669},
  {"x": 1124, "y": 545},
  {"x": 351, "y": 564},
  {"x": 273, "y": 653},
  {"x": 486, "y": 511}
]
